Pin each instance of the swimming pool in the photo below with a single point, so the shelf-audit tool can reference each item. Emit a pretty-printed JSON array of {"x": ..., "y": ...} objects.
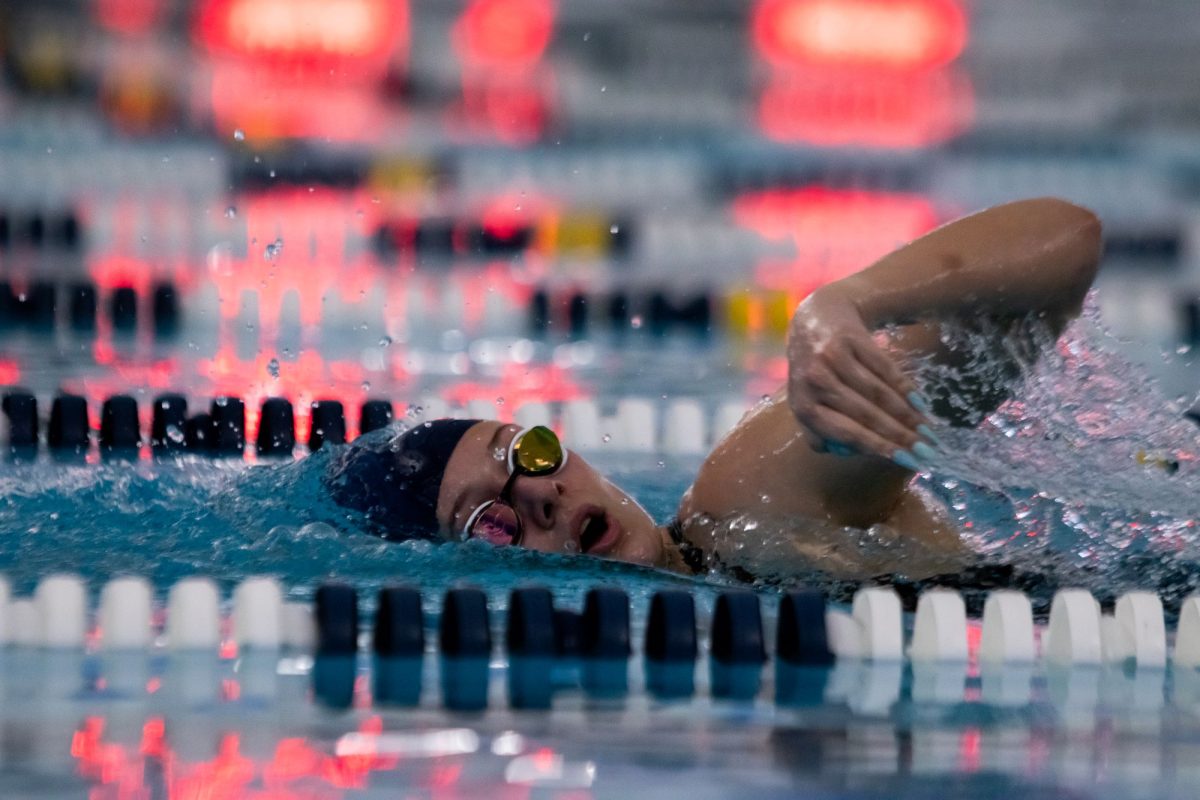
[
  {"x": 234, "y": 719},
  {"x": 605, "y": 227}
]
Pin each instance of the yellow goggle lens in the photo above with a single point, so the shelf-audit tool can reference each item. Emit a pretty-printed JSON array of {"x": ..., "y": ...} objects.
[{"x": 538, "y": 451}]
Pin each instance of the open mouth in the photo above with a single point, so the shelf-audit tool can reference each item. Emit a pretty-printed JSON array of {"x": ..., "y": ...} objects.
[{"x": 595, "y": 529}]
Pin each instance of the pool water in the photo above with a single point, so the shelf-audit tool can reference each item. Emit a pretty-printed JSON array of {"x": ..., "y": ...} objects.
[{"x": 1051, "y": 479}]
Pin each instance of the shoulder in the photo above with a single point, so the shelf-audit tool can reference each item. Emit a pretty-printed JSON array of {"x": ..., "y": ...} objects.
[{"x": 765, "y": 461}]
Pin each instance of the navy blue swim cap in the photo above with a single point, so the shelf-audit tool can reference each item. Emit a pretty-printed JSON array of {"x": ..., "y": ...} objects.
[{"x": 394, "y": 479}]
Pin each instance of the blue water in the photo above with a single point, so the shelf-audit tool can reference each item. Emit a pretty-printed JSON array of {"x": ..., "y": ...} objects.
[{"x": 1051, "y": 478}]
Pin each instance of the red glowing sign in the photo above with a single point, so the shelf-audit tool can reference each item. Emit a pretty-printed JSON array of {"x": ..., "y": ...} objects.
[
  {"x": 897, "y": 34},
  {"x": 129, "y": 17},
  {"x": 504, "y": 33},
  {"x": 834, "y": 233},
  {"x": 340, "y": 34},
  {"x": 871, "y": 108}
]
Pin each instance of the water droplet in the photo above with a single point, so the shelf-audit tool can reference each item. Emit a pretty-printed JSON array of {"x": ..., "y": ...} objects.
[
  {"x": 500, "y": 454},
  {"x": 662, "y": 464},
  {"x": 174, "y": 434},
  {"x": 385, "y": 341},
  {"x": 606, "y": 438},
  {"x": 273, "y": 249},
  {"x": 231, "y": 212},
  {"x": 271, "y": 173},
  {"x": 1183, "y": 349},
  {"x": 765, "y": 499},
  {"x": 635, "y": 321},
  {"x": 614, "y": 229},
  {"x": 604, "y": 88},
  {"x": 273, "y": 367},
  {"x": 240, "y": 135},
  {"x": 221, "y": 402},
  {"x": 415, "y": 411},
  {"x": 587, "y": 36},
  {"x": 499, "y": 401}
]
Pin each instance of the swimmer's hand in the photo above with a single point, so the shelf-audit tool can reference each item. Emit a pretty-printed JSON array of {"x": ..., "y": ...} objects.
[{"x": 844, "y": 389}]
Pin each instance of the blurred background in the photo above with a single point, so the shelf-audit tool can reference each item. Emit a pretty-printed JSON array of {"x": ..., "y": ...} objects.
[{"x": 306, "y": 197}]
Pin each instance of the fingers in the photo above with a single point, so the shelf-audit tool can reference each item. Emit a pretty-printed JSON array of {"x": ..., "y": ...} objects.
[
  {"x": 858, "y": 397},
  {"x": 878, "y": 396},
  {"x": 882, "y": 365}
]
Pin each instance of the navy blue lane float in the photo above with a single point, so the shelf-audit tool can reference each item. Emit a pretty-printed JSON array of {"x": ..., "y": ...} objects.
[
  {"x": 335, "y": 608},
  {"x": 529, "y": 637},
  {"x": 661, "y": 312},
  {"x": 168, "y": 423},
  {"x": 375, "y": 414},
  {"x": 21, "y": 409},
  {"x": 736, "y": 649},
  {"x": 671, "y": 646},
  {"x": 218, "y": 432},
  {"x": 328, "y": 424},
  {"x": 465, "y": 636},
  {"x": 69, "y": 430},
  {"x": 35, "y": 307},
  {"x": 544, "y": 643},
  {"x": 228, "y": 416},
  {"x": 399, "y": 646},
  {"x": 120, "y": 434},
  {"x": 276, "y": 428}
]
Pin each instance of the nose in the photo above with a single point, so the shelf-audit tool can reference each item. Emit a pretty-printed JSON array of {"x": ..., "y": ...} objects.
[{"x": 538, "y": 500}]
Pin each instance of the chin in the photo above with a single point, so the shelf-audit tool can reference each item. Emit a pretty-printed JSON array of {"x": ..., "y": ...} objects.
[{"x": 639, "y": 548}]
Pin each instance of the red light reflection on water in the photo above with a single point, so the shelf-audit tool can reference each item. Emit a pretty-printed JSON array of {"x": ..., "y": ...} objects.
[
  {"x": 313, "y": 229},
  {"x": 120, "y": 771},
  {"x": 518, "y": 384},
  {"x": 869, "y": 108},
  {"x": 835, "y": 233}
]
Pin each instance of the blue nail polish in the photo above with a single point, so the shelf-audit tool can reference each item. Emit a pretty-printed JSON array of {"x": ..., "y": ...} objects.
[
  {"x": 927, "y": 433},
  {"x": 906, "y": 460},
  {"x": 918, "y": 402},
  {"x": 839, "y": 449},
  {"x": 924, "y": 452}
]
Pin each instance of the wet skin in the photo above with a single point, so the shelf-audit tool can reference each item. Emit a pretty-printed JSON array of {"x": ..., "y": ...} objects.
[
  {"x": 556, "y": 510},
  {"x": 839, "y": 444}
]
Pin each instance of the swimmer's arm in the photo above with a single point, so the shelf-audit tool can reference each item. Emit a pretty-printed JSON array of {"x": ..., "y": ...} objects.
[{"x": 1027, "y": 257}]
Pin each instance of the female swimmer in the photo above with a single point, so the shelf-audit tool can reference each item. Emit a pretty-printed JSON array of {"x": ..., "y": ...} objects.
[{"x": 836, "y": 447}]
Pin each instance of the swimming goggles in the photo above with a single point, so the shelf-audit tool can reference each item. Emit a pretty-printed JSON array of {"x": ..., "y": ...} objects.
[{"x": 534, "y": 452}]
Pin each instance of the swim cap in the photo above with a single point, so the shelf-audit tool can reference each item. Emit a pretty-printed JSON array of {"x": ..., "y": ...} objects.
[{"x": 394, "y": 479}]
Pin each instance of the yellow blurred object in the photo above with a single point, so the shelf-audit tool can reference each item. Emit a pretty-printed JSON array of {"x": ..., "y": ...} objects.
[
  {"x": 44, "y": 62},
  {"x": 578, "y": 235},
  {"x": 738, "y": 311},
  {"x": 402, "y": 175},
  {"x": 778, "y": 312},
  {"x": 1166, "y": 464}
]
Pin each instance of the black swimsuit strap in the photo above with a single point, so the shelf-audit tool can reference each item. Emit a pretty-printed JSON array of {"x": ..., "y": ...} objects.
[{"x": 693, "y": 556}]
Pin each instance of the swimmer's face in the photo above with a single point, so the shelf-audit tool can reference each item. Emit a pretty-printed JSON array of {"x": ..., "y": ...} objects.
[{"x": 573, "y": 511}]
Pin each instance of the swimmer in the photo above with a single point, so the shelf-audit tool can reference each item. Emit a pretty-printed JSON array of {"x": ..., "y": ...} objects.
[{"x": 837, "y": 446}]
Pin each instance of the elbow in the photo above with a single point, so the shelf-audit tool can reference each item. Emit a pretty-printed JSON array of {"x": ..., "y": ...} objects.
[{"x": 1083, "y": 244}]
